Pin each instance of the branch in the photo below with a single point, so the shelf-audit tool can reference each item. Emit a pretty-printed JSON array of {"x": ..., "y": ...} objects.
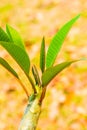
[{"x": 24, "y": 88}]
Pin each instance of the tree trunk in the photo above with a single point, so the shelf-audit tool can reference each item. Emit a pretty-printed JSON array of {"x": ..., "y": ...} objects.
[{"x": 31, "y": 115}]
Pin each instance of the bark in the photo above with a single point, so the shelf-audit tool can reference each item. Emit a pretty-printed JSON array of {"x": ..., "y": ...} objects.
[{"x": 31, "y": 115}]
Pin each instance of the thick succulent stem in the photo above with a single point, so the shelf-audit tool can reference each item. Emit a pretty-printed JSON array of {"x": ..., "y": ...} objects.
[{"x": 31, "y": 115}]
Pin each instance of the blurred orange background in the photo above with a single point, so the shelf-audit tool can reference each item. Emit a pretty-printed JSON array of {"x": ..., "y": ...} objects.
[{"x": 65, "y": 104}]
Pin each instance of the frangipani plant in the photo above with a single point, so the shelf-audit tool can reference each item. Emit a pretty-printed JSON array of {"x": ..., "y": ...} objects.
[{"x": 12, "y": 42}]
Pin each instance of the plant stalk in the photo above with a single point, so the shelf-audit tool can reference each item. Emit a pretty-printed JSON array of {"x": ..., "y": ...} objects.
[
  {"x": 31, "y": 81},
  {"x": 31, "y": 114},
  {"x": 24, "y": 88}
]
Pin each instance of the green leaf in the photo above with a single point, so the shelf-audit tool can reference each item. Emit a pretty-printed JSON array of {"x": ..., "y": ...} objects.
[
  {"x": 18, "y": 54},
  {"x": 14, "y": 36},
  {"x": 42, "y": 55},
  {"x": 51, "y": 72},
  {"x": 3, "y": 36},
  {"x": 57, "y": 42},
  {"x": 8, "y": 67},
  {"x": 36, "y": 75}
]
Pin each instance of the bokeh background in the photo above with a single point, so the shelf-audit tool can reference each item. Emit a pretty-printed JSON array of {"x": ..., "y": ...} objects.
[{"x": 65, "y": 104}]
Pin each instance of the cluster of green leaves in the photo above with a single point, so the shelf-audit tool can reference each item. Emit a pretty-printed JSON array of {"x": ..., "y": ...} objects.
[
  {"x": 13, "y": 43},
  {"x": 52, "y": 52}
]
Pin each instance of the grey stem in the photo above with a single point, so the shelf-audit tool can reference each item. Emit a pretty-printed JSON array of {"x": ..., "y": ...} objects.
[{"x": 31, "y": 115}]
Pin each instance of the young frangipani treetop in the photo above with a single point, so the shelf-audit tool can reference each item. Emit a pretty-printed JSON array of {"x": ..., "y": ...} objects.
[{"x": 14, "y": 45}]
